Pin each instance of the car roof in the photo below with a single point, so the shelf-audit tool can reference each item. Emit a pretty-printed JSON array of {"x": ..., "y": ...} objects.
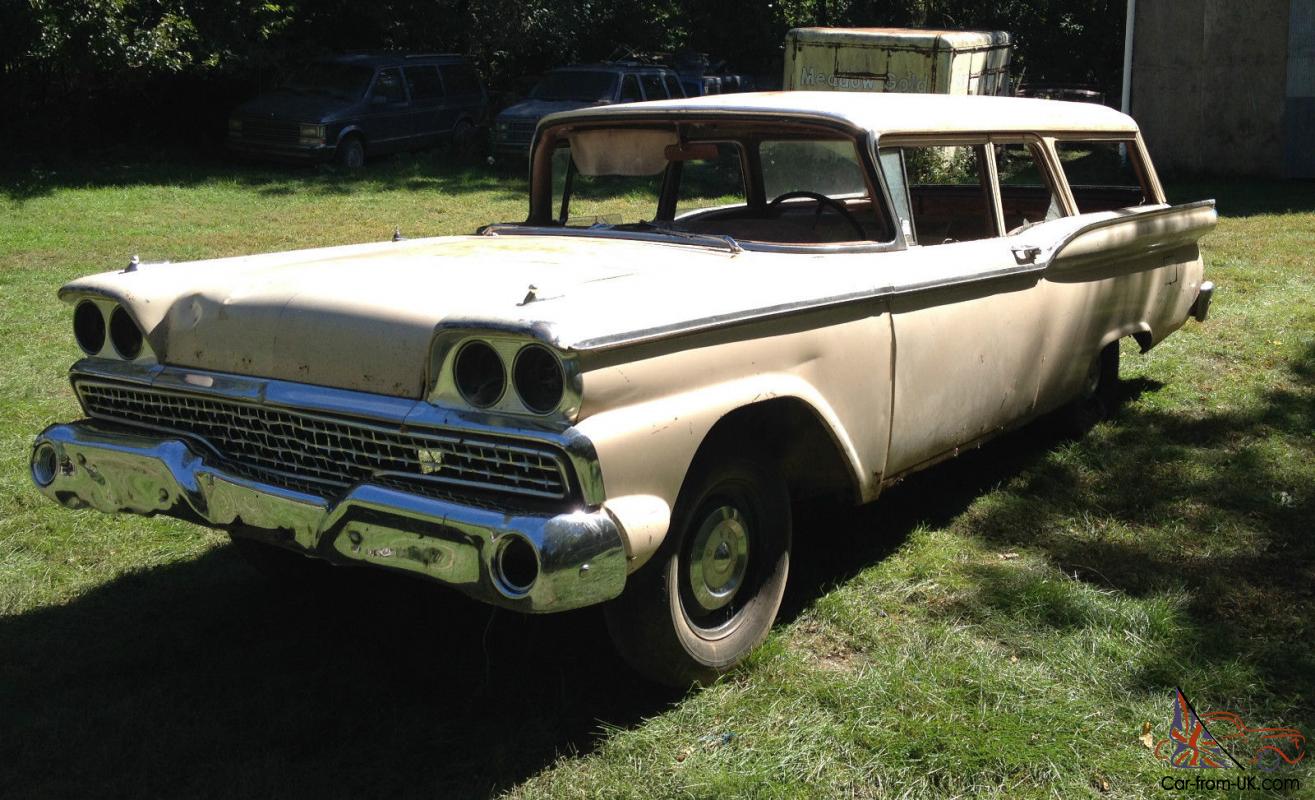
[
  {"x": 886, "y": 112},
  {"x": 394, "y": 59}
]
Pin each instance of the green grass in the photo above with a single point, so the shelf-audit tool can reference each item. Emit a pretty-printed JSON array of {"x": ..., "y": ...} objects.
[{"x": 1002, "y": 625}]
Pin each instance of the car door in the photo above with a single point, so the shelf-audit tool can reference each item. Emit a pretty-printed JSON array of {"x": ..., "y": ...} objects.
[
  {"x": 388, "y": 123},
  {"x": 966, "y": 317},
  {"x": 431, "y": 115}
]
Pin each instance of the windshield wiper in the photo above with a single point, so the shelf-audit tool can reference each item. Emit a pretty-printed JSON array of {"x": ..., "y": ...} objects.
[{"x": 722, "y": 239}]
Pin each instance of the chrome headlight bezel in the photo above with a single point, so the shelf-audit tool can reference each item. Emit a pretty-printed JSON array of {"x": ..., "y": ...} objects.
[{"x": 443, "y": 390}]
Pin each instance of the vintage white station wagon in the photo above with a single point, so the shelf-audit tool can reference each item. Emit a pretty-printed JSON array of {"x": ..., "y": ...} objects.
[{"x": 715, "y": 306}]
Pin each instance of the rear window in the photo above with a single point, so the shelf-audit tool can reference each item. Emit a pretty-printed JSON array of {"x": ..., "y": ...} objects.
[{"x": 1104, "y": 176}]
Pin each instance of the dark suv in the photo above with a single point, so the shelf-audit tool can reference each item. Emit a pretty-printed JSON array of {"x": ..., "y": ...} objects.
[
  {"x": 351, "y": 106},
  {"x": 578, "y": 86}
]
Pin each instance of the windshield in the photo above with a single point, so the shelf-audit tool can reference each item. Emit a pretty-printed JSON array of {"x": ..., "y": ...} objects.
[
  {"x": 347, "y": 81},
  {"x": 587, "y": 87},
  {"x": 702, "y": 181}
]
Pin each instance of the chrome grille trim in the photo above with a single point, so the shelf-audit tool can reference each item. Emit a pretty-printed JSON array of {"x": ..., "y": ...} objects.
[{"x": 297, "y": 448}]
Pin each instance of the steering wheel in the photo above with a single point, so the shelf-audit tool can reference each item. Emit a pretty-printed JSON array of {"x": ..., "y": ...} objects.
[{"x": 821, "y": 200}]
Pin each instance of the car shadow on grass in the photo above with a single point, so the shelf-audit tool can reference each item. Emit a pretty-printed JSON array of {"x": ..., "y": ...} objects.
[{"x": 203, "y": 679}]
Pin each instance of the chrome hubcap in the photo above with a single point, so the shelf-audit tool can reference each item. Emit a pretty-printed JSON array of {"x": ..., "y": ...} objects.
[{"x": 719, "y": 558}]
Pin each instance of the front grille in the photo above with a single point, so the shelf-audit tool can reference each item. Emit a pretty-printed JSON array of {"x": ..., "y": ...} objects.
[
  {"x": 300, "y": 449},
  {"x": 270, "y": 131},
  {"x": 519, "y": 132}
]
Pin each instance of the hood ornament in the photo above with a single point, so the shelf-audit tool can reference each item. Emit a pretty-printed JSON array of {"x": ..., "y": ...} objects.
[
  {"x": 133, "y": 264},
  {"x": 530, "y": 296},
  {"x": 397, "y": 233}
]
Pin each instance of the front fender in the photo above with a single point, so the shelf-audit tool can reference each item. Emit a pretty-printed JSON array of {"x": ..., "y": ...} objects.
[{"x": 646, "y": 449}]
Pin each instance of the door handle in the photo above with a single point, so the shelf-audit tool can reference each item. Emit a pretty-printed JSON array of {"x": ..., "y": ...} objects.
[{"x": 1026, "y": 255}]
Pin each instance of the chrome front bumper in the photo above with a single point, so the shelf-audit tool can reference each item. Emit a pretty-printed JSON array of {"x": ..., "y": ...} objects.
[{"x": 579, "y": 557}]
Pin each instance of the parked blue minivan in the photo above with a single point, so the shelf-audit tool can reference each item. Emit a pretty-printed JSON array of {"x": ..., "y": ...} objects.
[{"x": 350, "y": 107}]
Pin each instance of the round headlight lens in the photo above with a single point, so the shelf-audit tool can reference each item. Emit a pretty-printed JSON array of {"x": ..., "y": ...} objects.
[
  {"x": 479, "y": 374},
  {"x": 538, "y": 378},
  {"x": 125, "y": 335},
  {"x": 89, "y": 327}
]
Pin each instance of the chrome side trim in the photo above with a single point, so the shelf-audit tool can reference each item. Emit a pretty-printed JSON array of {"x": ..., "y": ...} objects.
[{"x": 580, "y": 554}]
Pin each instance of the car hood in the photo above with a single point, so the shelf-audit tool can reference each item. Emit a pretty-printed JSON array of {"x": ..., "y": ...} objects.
[
  {"x": 362, "y": 317},
  {"x": 538, "y": 109},
  {"x": 294, "y": 107}
]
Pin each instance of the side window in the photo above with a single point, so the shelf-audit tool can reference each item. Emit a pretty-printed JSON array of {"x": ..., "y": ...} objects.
[
  {"x": 673, "y": 86},
  {"x": 426, "y": 87},
  {"x": 794, "y": 169},
  {"x": 825, "y": 167},
  {"x": 389, "y": 86},
  {"x": 1026, "y": 195},
  {"x": 1103, "y": 175},
  {"x": 711, "y": 182},
  {"x": 460, "y": 79},
  {"x": 653, "y": 88},
  {"x": 949, "y": 197},
  {"x": 630, "y": 89}
]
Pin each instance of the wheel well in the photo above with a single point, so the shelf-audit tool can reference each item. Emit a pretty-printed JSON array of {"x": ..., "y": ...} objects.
[
  {"x": 790, "y": 432},
  {"x": 353, "y": 134}
]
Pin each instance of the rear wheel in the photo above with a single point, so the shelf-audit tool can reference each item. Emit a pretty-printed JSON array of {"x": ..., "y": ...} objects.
[
  {"x": 711, "y": 594},
  {"x": 1100, "y": 392}
]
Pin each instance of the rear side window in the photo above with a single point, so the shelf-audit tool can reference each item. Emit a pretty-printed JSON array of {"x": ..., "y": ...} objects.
[
  {"x": 943, "y": 194},
  {"x": 1026, "y": 196},
  {"x": 461, "y": 79},
  {"x": 653, "y": 88},
  {"x": 425, "y": 84},
  {"x": 1103, "y": 175}
]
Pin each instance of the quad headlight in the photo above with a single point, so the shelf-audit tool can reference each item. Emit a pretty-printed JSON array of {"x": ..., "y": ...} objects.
[
  {"x": 479, "y": 374},
  {"x": 505, "y": 374},
  {"x": 107, "y": 330},
  {"x": 538, "y": 378}
]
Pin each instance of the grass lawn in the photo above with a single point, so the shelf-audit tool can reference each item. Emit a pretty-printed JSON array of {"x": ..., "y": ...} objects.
[{"x": 1001, "y": 625}]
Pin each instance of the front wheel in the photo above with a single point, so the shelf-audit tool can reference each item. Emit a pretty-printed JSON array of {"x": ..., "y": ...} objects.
[
  {"x": 711, "y": 594},
  {"x": 351, "y": 152}
]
